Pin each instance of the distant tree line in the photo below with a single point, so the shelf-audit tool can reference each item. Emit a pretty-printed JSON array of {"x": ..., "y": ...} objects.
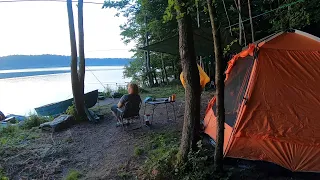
[{"x": 49, "y": 61}]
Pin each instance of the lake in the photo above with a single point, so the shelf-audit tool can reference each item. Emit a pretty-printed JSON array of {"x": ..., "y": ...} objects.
[{"x": 27, "y": 89}]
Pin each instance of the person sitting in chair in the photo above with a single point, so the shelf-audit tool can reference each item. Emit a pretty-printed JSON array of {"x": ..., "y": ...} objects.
[{"x": 132, "y": 97}]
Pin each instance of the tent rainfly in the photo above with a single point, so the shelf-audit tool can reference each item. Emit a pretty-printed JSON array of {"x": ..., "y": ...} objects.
[
  {"x": 272, "y": 101},
  {"x": 203, "y": 43}
]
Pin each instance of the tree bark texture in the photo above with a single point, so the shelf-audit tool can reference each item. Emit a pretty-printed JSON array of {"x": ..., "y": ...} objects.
[
  {"x": 82, "y": 65},
  {"x": 74, "y": 64},
  {"x": 191, "y": 76},
  {"x": 220, "y": 112}
]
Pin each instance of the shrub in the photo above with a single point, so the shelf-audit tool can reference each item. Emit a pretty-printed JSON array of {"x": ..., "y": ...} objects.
[
  {"x": 122, "y": 90},
  {"x": 161, "y": 152},
  {"x": 73, "y": 175},
  {"x": 8, "y": 131},
  {"x": 73, "y": 112},
  {"x": 34, "y": 121},
  {"x": 108, "y": 91}
]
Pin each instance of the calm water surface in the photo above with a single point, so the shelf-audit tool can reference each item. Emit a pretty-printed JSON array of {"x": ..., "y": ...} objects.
[{"x": 21, "y": 95}]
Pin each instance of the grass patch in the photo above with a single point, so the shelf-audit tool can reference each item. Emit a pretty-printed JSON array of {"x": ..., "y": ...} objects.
[
  {"x": 161, "y": 152},
  {"x": 13, "y": 135},
  {"x": 124, "y": 175},
  {"x": 73, "y": 175},
  {"x": 138, "y": 151},
  {"x": 3, "y": 176},
  {"x": 164, "y": 91},
  {"x": 102, "y": 109},
  {"x": 35, "y": 121}
]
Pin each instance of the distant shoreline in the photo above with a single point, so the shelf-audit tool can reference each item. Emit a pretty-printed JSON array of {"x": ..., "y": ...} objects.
[
  {"x": 6, "y": 74},
  {"x": 53, "y": 61}
]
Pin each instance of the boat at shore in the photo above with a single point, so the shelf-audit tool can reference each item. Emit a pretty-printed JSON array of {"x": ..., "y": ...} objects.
[{"x": 57, "y": 108}]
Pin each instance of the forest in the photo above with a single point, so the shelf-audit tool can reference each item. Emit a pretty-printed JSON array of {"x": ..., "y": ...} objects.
[{"x": 150, "y": 22}]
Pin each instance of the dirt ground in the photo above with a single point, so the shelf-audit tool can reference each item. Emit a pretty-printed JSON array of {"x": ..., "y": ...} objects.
[
  {"x": 97, "y": 151},
  {"x": 102, "y": 150}
]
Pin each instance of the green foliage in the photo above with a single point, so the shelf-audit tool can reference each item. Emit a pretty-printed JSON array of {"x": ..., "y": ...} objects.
[
  {"x": 8, "y": 131},
  {"x": 199, "y": 165},
  {"x": 135, "y": 29},
  {"x": 108, "y": 91},
  {"x": 138, "y": 151},
  {"x": 73, "y": 175},
  {"x": 122, "y": 90},
  {"x": 165, "y": 91},
  {"x": 13, "y": 135},
  {"x": 2, "y": 175},
  {"x": 73, "y": 112},
  {"x": 124, "y": 175},
  {"x": 35, "y": 121},
  {"x": 161, "y": 152}
]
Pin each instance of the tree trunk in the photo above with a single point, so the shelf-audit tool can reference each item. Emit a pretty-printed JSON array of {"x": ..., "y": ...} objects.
[
  {"x": 74, "y": 64},
  {"x": 149, "y": 73},
  {"x": 174, "y": 70},
  {"x": 218, "y": 160},
  {"x": 164, "y": 69},
  {"x": 162, "y": 77},
  {"x": 155, "y": 77},
  {"x": 251, "y": 23},
  {"x": 240, "y": 22},
  {"x": 191, "y": 76},
  {"x": 82, "y": 64}
]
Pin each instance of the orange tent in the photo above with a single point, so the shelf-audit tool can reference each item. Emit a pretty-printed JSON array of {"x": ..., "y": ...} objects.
[{"x": 272, "y": 103}]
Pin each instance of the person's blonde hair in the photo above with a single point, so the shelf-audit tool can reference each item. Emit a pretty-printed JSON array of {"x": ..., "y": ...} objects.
[{"x": 134, "y": 87}]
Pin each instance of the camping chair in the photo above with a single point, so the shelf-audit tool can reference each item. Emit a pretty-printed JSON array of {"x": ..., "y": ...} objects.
[{"x": 130, "y": 113}]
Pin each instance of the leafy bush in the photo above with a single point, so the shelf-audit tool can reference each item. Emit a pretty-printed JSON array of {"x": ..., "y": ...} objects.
[
  {"x": 199, "y": 165},
  {"x": 122, "y": 90},
  {"x": 73, "y": 175},
  {"x": 8, "y": 131},
  {"x": 73, "y": 112},
  {"x": 161, "y": 152},
  {"x": 162, "y": 157},
  {"x": 34, "y": 121},
  {"x": 108, "y": 91}
]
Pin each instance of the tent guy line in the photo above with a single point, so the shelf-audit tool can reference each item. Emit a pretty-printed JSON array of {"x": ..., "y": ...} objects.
[{"x": 16, "y": 1}]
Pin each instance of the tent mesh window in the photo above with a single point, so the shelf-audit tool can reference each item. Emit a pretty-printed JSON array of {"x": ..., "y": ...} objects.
[{"x": 235, "y": 88}]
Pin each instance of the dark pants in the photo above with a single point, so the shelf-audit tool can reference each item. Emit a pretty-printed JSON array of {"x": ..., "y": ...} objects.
[{"x": 115, "y": 111}]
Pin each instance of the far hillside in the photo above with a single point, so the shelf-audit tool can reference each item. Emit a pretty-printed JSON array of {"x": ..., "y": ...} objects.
[{"x": 48, "y": 61}]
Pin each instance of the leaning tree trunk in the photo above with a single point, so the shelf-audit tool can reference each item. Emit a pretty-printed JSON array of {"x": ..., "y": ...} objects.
[
  {"x": 74, "y": 65},
  {"x": 191, "y": 76},
  {"x": 218, "y": 160},
  {"x": 82, "y": 64}
]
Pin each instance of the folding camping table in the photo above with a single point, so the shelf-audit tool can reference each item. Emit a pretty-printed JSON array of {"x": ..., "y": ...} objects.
[{"x": 155, "y": 103}]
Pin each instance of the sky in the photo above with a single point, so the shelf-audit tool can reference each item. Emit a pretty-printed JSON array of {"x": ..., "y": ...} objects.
[{"x": 42, "y": 28}]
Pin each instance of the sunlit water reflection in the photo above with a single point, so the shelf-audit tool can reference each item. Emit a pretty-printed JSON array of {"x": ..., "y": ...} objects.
[{"x": 21, "y": 95}]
